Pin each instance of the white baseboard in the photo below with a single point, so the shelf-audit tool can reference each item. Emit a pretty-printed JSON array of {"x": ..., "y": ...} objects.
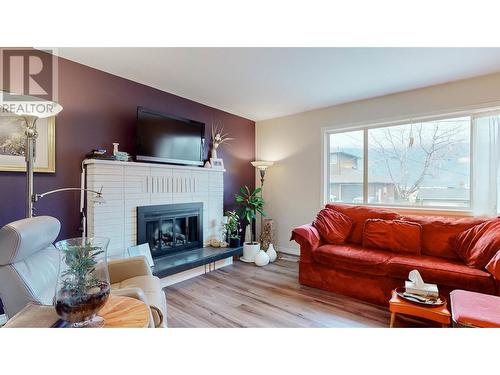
[
  {"x": 181, "y": 276},
  {"x": 289, "y": 250}
]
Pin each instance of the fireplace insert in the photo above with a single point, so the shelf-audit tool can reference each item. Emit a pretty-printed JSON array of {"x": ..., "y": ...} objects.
[{"x": 170, "y": 228}]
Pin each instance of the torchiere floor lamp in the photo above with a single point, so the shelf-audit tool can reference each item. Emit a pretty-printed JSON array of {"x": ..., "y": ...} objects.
[{"x": 262, "y": 166}]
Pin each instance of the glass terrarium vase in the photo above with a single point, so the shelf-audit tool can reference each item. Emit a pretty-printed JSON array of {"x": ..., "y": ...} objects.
[{"x": 83, "y": 282}]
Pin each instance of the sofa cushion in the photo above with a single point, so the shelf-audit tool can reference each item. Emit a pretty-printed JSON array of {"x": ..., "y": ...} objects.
[
  {"x": 477, "y": 245},
  {"x": 333, "y": 226},
  {"x": 359, "y": 214},
  {"x": 395, "y": 235},
  {"x": 438, "y": 233},
  {"x": 452, "y": 273},
  {"x": 352, "y": 257}
]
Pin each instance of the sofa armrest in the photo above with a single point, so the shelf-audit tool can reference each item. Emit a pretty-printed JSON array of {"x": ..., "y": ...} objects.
[
  {"x": 493, "y": 267},
  {"x": 308, "y": 238},
  {"x": 123, "y": 269}
]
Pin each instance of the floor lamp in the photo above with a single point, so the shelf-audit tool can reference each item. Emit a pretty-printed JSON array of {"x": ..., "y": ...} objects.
[
  {"x": 31, "y": 109},
  {"x": 262, "y": 166}
]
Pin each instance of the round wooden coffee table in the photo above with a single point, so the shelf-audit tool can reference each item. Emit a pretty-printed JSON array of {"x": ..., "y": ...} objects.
[
  {"x": 124, "y": 312},
  {"x": 439, "y": 314},
  {"x": 118, "y": 312}
]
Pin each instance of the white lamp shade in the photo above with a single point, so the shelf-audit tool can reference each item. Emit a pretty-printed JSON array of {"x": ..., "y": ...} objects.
[{"x": 261, "y": 164}]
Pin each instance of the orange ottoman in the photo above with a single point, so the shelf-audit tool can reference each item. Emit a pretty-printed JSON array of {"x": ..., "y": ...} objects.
[{"x": 470, "y": 309}]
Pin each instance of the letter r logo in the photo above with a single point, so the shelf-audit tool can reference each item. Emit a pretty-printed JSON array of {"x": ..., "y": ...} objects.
[{"x": 28, "y": 72}]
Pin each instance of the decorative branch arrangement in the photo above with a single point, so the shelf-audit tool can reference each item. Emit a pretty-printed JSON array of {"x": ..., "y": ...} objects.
[{"x": 218, "y": 137}]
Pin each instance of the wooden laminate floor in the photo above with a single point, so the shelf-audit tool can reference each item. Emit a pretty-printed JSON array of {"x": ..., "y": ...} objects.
[{"x": 243, "y": 295}]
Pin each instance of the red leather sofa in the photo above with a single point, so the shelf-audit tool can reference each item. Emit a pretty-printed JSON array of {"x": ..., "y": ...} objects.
[{"x": 370, "y": 274}]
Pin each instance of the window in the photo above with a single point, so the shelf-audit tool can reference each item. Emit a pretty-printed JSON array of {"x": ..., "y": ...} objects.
[{"x": 422, "y": 164}]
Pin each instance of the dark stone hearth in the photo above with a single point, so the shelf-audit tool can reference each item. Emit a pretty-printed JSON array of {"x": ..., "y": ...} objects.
[{"x": 170, "y": 264}]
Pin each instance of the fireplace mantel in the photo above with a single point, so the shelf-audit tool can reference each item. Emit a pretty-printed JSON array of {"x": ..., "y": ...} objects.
[{"x": 127, "y": 185}]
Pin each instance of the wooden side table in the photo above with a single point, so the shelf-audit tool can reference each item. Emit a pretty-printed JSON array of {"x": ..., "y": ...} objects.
[
  {"x": 118, "y": 312},
  {"x": 125, "y": 312},
  {"x": 439, "y": 314}
]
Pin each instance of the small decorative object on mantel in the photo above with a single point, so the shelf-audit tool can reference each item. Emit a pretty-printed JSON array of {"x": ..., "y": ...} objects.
[
  {"x": 207, "y": 165},
  {"x": 218, "y": 138},
  {"x": 83, "y": 284},
  {"x": 115, "y": 148},
  {"x": 251, "y": 203},
  {"x": 99, "y": 154},
  {"x": 217, "y": 163},
  {"x": 120, "y": 155}
]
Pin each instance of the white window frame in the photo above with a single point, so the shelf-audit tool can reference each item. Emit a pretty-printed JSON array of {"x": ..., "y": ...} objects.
[{"x": 438, "y": 210}]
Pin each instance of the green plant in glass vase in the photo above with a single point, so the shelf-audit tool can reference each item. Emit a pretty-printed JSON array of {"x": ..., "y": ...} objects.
[
  {"x": 250, "y": 203},
  {"x": 83, "y": 283}
]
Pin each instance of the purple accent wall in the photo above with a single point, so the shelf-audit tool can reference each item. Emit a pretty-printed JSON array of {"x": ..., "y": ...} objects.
[{"x": 100, "y": 108}]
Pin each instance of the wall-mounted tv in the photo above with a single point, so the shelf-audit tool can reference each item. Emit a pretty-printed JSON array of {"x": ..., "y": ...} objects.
[{"x": 169, "y": 139}]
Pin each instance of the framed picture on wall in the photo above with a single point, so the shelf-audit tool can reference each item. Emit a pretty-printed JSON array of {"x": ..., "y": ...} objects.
[{"x": 13, "y": 140}]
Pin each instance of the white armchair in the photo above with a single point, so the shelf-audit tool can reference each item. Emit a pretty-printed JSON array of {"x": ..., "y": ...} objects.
[{"x": 29, "y": 266}]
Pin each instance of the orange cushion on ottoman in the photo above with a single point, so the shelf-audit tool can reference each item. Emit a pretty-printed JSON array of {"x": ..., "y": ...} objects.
[{"x": 475, "y": 309}]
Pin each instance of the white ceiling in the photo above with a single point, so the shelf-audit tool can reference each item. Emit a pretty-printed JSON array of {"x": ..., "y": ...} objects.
[{"x": 263, "y": 83}]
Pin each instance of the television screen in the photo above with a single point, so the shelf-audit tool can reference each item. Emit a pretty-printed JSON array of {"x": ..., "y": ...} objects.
[{"x": 169, "y": 139}]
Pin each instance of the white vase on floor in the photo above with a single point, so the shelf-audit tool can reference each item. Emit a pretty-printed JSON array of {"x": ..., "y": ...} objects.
[
  {"x": 250, "y": 251},
  {"x": 272, "y": 253},
  {"x": 262, "y": 259}
]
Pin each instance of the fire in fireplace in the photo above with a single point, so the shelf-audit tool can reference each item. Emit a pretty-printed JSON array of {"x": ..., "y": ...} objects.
[{"x": 170, "y": 228}]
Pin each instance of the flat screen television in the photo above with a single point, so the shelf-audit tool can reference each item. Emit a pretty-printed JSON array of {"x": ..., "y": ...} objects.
[{"x": 169, "y": 139}]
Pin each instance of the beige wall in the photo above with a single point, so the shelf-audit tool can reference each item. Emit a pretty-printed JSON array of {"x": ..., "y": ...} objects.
[{"x": 293, "y": 184}]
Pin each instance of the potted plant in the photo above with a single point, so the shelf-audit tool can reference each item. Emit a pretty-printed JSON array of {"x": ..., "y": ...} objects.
[
  {"x": 251, "y": 203},
  {"x": 233, "y": 228}
]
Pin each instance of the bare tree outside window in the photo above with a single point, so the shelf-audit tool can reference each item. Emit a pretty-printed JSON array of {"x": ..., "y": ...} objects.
[{"x": 423, "y": 159}]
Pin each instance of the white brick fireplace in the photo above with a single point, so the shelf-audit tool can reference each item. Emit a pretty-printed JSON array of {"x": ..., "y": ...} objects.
[{"x": 127, "y": 185}]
